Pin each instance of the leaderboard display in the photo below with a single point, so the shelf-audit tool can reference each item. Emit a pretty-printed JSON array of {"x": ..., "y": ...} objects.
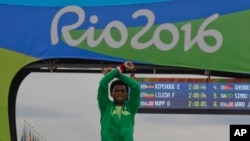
[{"x": 195, "y": 94}]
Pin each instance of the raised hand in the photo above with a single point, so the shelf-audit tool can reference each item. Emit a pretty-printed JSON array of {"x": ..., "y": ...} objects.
[
  {"x": 106, "y": 70},
  {"x": 129, "y": 65}
]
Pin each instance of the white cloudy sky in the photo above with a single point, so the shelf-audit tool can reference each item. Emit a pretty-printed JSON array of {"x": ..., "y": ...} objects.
[{"x": 63, "y": 107}]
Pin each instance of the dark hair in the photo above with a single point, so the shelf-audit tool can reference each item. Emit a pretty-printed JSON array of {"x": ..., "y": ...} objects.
[{"x": 117, "y": 82}]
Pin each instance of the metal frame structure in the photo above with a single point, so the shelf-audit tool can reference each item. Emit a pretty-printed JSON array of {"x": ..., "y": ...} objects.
[{"x": 96, "y": 66}]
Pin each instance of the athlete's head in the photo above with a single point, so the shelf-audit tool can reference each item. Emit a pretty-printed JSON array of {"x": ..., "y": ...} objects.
[{"x": 119, "y": 91}]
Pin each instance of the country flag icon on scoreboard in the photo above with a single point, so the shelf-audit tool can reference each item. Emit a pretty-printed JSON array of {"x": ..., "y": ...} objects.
[
  {"x": 226, "y": 87},
  {"x": 226, "y": 95},
  {"x": 147, "y": 103},
  {"x": 230, "y": 104},
  {"x": 147, "y": 86},
  {"x": 150, "y": 86},
  {"x": 148, "y": 95}
]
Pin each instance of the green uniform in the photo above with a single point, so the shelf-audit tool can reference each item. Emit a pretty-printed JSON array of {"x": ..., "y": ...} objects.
[{"x": 114, "y": 128}]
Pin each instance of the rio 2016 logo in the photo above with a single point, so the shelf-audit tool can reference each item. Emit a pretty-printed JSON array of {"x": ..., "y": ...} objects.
[{"x": 155, "y": 40}]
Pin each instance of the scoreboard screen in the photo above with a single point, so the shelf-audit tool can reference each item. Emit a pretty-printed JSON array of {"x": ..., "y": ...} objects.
[{"x": 194, "y": 95}]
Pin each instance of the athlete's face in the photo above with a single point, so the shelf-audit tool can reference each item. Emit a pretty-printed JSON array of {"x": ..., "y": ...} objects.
[{"x": 119, "y": 94}]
